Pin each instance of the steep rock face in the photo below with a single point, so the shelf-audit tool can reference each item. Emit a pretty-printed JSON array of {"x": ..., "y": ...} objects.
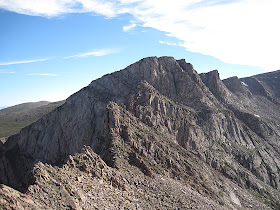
[
  {"x": 158, "y": 119},
  {"x": 265, "y": 84},
  {"x": 216, "y": 135},
  {"x": 75, "y": 124},
  {"x": 216, "y": 86},
  {"x": 235, "y": 85}
]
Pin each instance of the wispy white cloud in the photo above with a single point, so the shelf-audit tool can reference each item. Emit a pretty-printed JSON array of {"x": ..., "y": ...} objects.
[
  {"x": 44, "y": 74},
  {"x": 171, "y": 43},
  {"x": 52, "y": 8},
  {"x": 48, "y": 8},
  {"x": 21, "y": 62},
  {"x": 6, "y": 72},
  {"x": 234, "y": 31},
  {"x": 239, "y": 32},
  {"x": 102, "y": 52},
  {"x": 129, "y": 27}
]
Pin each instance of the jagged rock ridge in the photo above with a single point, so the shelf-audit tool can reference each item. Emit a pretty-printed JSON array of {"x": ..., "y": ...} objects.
[{"x": 156, "y": 123}]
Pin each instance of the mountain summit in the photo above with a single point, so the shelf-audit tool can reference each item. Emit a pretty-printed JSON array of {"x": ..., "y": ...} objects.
[{"x": 154, "y": 135}]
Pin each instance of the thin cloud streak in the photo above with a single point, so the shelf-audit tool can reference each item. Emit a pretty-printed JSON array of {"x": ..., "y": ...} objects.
[
  {"x": 102, "y": 52},
  {"x": 22, "y": 62},
  {"x": 6, "y": 72},
  {"x": 171, "y": 43},
  {"x": 44, "y": 74}
]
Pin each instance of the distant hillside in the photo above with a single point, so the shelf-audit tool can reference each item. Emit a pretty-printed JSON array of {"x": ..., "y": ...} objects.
[
  {"x": 14, "y": 118},
  {"x": 24, "y": 107}
]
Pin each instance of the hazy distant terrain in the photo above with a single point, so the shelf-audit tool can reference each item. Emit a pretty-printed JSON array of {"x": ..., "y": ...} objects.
[{"x": 14, "y": 118}]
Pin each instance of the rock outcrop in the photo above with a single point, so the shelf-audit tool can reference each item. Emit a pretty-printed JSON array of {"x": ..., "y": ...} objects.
[{"x": 154, "y": 135}]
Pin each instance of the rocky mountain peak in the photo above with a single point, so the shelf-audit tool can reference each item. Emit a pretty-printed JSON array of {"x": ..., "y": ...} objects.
[
  {"x": 216, "y": 86},
  {"x": 235, "y": 85},
  {"x": 157, "y": 133},
  {"x": 174, "y": 79}
]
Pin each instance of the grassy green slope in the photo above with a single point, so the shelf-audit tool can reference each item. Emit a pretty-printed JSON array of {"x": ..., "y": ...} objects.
[
  {"x": 13, "y": 119},
  {"x": 24, "y": 107}
]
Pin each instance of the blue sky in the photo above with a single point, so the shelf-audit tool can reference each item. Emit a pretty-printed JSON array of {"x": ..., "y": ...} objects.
[{"x": 51, "y": 49}]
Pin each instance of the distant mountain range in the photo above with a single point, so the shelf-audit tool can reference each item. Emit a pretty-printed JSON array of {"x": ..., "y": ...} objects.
[
  {"x": 155, "y": 135},
  {"x": 14, "y": 118}
]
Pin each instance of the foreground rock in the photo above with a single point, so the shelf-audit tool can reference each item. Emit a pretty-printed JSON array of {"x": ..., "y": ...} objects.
[{"x": 157, "y": 135}]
